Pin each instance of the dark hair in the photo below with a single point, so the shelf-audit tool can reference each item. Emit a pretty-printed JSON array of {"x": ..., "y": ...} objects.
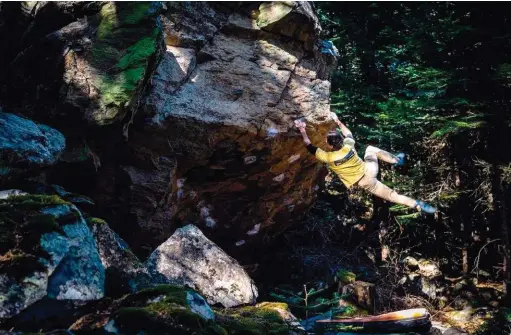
[{"x": 335, "y": 140}]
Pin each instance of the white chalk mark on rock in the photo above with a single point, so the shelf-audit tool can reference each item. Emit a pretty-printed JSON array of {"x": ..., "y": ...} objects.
[
  {"x": 279, "y": 178},
  {"x": 254, "y": 229}
]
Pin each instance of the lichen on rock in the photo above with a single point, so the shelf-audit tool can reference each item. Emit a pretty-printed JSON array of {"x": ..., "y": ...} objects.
[
  {"x": 46, "y": 249},
  {"x": 124, "y": 271},
  {"x": 112, "y": 69},
  {"x": 164, "y": 309},
  {"x": 214, "y": 273},
  {"x": 25, "y": 145}
]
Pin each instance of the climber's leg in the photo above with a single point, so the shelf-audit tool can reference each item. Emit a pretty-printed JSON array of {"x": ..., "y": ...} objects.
[
  {"x": 374, "y": 152},
  {"x": 371, "y": 162},
  {"x": 376, "y": 187},
  {"x": 381, "y": 190}
]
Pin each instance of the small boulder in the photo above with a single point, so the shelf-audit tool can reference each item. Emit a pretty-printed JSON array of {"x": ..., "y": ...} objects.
[
  {"x": 419, "y": 285},
  {"x": 361, "y": 293},
  {"x": 124, "y": 272},
  {"x": 189, "y": 258},
  {"x": 46, "y": 250},
  {"x": 411, "y": 263},
  {"x": 5, "y": 194},
  {"x": 429, "y": 269},
  {"x": 26, "y": 145}
]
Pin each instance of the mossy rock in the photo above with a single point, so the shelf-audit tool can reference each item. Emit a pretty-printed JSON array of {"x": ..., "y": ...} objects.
[
  {"x": 162, "y": 310},
  {"x": 95, "y": 221},
  {"x": 127, "y": 40},
  {"x": 21, "y": 226},
  {"x": 350, "y": 309},
  {"x": 124, "y": 51},
  {"x": 261, "y": 319},
  {"x": 271, "y": 12}
]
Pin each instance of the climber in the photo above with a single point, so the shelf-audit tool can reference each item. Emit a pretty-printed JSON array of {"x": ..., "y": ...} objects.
[{"x": 344, "y": 161}]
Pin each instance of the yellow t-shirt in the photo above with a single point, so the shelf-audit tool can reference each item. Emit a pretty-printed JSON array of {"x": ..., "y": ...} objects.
[{"x": 344, "y": 162}]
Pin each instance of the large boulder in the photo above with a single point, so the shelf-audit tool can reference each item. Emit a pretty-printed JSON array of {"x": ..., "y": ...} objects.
[
  {"x": 214, "y": 142},
  {"x": 25, "y": 145},
  {"x": 124, "y": 272},
  {"x": 189, "y": 258},
  {"x": 46, "y": 250},
  {"x": 178, "y": 112}
]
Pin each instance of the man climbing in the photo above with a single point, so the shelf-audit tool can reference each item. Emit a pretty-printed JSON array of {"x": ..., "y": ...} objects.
[{"x": 344, "y": 161}]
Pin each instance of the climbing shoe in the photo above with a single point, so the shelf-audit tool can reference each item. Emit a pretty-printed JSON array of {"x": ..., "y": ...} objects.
[
  {"x": 424, "y": 207},
  {"x": 400, "y": 159}
]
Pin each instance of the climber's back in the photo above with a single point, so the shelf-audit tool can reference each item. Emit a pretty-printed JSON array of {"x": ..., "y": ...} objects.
[{"x": 344, "y": 161}]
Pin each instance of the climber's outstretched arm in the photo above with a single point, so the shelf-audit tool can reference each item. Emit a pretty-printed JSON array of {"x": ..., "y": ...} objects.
[
  {"x": 344, "y": 130},
  {"x": 306, "y": 140}
]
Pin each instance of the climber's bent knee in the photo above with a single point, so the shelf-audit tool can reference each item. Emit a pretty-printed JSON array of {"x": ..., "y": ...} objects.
[{"x": 371, "y": 152}]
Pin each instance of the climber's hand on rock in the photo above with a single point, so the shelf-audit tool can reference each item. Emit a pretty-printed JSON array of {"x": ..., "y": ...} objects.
[
  {"x": 334, "y": 117},
  {"x": 300, "y": 125}
]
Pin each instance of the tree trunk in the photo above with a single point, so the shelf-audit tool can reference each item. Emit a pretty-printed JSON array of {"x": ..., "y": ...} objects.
[{"x": 501, "y": 210}]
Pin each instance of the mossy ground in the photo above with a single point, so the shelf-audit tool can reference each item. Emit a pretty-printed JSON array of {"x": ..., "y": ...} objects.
[
  {"x": 162, "y": 310},
  {"x": 21, "y": 227},
  {"x": 261, "y": 319}
]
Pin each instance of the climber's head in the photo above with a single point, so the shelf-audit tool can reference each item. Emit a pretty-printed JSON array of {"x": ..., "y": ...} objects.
[{"x": 335, "y": 140}]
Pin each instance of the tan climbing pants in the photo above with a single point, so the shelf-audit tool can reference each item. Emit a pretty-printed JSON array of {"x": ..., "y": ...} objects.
[{"x": 376, "y": 187}]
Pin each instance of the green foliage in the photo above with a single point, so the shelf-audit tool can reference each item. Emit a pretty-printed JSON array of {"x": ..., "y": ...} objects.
[
  {"x": 456, "y": 126},
  {"x": 345, "y": 276}
]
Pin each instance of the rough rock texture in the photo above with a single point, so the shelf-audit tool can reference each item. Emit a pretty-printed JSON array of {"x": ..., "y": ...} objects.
[
  {"x": 124, "y": 272},
  {"x": 25, "y": 145},
  {"x": 92, "y": 69},
  {"x": 46, "y": 250},
  {"x": 176, "y": 112},
  {"x": 361, "y": 293},
  {"x": 189, "y": 258},
  {"x": 214, "y": 142}
]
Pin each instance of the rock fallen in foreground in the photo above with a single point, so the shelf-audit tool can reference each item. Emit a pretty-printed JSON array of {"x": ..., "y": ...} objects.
[{"x": 189, "y": 258}]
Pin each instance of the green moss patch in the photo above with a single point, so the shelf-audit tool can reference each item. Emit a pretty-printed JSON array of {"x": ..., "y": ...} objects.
[
  {"x": 162, "y": 310},
  {"x": 126, "y": 43},
  {"x": 95, "y": 221},
  {"x": 261, "y": 319},
  {"x": 21, "y": 227}
]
